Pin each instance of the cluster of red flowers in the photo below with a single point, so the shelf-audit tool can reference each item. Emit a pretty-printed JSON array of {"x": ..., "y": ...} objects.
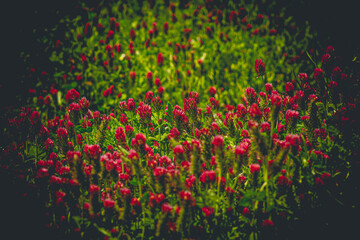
[{"x": 183, "y": 165}]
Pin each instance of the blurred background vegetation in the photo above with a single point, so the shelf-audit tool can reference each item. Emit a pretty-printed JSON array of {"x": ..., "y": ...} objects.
[{"x": 24, "y": 22}]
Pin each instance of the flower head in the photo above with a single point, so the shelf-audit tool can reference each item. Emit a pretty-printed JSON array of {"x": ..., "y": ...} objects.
[
  {"x": 208, "y": 211},
  {"x": 130, "y": 105},
  {"x": 72, "y": 95},
  {"x": 160, "y": 59},
  {"x": 259, "y": 67},
  {"x": 254, "y": 168}
]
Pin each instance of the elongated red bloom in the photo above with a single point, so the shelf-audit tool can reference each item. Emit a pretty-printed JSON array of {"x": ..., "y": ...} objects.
[
  {"x": 144, "y": 111},
  {"x": 128, "y": 130},
  {"x": 93, "y": 189},
  {"x": 218, "y": 142},
  {"x": 166, "y": 27},
  {"x": 133, "y": 155},
  {"x": 291, "y": 114},
  {"x": 255, "y": 111},
  {"x": 130, "y": 105},
  {"x": 132, "y": 75},
  {"x": 120, "y": 135},
  {"x": 166, "y": 208},
  {"x": 259, "y": 67},
  {"x": 185, "y": 195},
  {"x": 212, "y": 91},
  {"x": 72, "y": 95},
  {"x": 140, "y": 139},
  {"x": 267, "y": 223},
  {"x": 174, "y": 133},
  {"x": 160, "y": 172},
  {"x": 49, "y": 144},
  {"x": 109, "y": 203},
  {"x": 190, "y": 181},
  {"x": 254, "y": 168},
  {"x": 132, "y": 34},
  {"x": 135, "y": 202},
  {"x": 240, "y": 111},
  {"x": 330, "y": 50},
  {"x": 92, "y": 151},
  {"x": 88, "y": 30},
  {"x": 208, "y": 177},
  {"x": 190, "y": 106},
  {"x": 303, "y": 77},
  {"x": 125, "y": 192},
  {"x": 100, "y": 28},
  {"x": 282, "y": 180},
  {"x": 289, "y": 87},
  {"x": 250, "y": 94},
  {"x": 318, "y": 73},
  {"x": 265, "y": 127},
  {"x": 160, "y": 59},
  {"x": 209, "y": 32},
  {"x": 62, "y": 133},
  {"x": 179, "y": 149},
  {"x": 208, "y": 211},
  {"x": 293, "y": 139},
  {"x": 214, "y": 103},
  {"x": 156, "y": 103}
]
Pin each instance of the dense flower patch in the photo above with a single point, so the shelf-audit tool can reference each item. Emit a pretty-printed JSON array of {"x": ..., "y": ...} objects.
[{"x": 162, "y": 133}]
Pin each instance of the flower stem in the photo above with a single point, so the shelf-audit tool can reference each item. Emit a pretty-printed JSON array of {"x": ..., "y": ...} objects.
[
  {"x": 217, "y": 194},
  {"x": 265, "y": 168},
  {"x": 36, "y": 150},
  {"x": 143, "y": 212}
]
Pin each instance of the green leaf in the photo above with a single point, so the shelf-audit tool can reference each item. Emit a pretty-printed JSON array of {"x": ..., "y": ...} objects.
[
  {"x": 169, "y": 116},
  {"x": 102, "y": 230},
  {"x": 68, "y": 86},
  {"x": 145, "y": 198},
  {"x": 251, "y": 196},
  {"x": 331, "y": 107},
  {"x": 77, "y": 220},
  {"x": 221, "y": 125},
  {"x": 321, "y": 109},
  {"x": 163, "y": 137},
  {"x": 270, "y": 208},
  {"x": 82, "y": 130},
  {"x": 134, "y": 181},
  {"x": 123, "y": 150},
  {"x": 152, "y": 139},
  {"x": 74, "y": 84},
  {"x": 310, "y": 58}
]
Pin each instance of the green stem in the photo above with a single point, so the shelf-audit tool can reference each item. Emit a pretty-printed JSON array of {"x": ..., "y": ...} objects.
[
  {"x": 86, "y": 124},
  {"x": 36, "y": 150},
  {"x": 26, "y": 147},
  {"x": 159, "y": 137},
  {"x": 193, "y": 128},
  {"x": 167, "y": 147},
  {"x": 265, "y": 168},
  {"x": 75, "y": 137},
  {"x": 218, "y": 192},
  {"x": 139, "y": 185},
  {"x": 270, "y": 139},
  {"x": 143, "y": 212}
]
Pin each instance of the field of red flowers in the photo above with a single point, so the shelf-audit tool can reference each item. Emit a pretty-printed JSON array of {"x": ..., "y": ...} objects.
[{"x": 182, "y": 120}]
